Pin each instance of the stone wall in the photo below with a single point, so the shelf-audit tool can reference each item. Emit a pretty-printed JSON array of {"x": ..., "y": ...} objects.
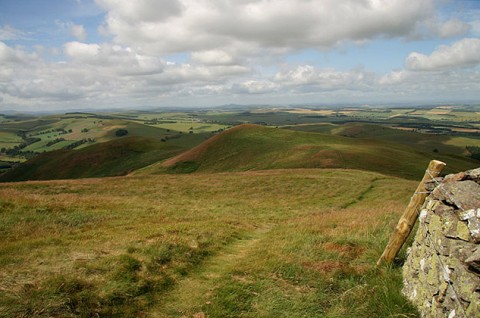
[{"x": 442, "y": 271}]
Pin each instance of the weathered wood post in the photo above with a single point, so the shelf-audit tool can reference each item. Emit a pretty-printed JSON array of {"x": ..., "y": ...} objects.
[{"x": 409, "y": 217}]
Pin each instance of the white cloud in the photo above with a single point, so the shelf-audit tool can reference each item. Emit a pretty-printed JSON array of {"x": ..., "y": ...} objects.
[
  {"x": 460, "y": 54},
  {"x": 9, "y": 55},
  {"x": 82, "y": 51},
  {"x": 205, "y": 25},
  {"x": 255, "y": 87},
  {"x": 394, "y": 77},
  {"x": 451, "y": 28},
  {"x": 213, "y": 57},
  {"x": 223, "y": 51},
  {"x": 7, "y": 32},
  {"x": 307, "y": 77},
  {"x": 140, "y": 11},
  {"x": 444, "y": 86},
  {"x": 78, "y": 31},
  {"x": 188, "y": 74},
  {"x": 118, "y": 59},
  {"x": 105, "y": 74}
]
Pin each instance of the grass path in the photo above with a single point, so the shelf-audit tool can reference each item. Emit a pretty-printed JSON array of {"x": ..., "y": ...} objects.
[
  {"x": 191, "y": 293},
  {"x": 251, "y": 244}
]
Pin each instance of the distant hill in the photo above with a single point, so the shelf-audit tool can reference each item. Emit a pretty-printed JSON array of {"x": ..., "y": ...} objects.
[
  {"x": 244, "y": 147},
  {"x": 443, "y": 147},
  {"x": 112, "y": 158},
  {"x": 247, "y": 147}
]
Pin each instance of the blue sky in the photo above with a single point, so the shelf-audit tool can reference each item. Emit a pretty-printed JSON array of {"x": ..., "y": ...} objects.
[{"x": 84, "y": 54}]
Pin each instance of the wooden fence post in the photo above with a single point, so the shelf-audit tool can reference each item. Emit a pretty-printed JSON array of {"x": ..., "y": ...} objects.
[{"x": 409, "y": 217}]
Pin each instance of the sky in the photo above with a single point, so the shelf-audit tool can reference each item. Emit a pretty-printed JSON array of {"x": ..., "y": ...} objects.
[{"x": 60, "y": 55}]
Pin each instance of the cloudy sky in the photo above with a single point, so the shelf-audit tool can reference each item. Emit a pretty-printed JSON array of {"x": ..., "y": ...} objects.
[{"x": 79, "y": 54}]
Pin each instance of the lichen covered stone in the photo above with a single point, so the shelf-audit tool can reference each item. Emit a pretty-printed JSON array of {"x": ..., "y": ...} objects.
[{"x": 442, "y": 271}]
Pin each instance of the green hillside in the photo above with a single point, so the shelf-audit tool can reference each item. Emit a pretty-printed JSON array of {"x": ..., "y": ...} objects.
[
  {"x": 24, "y": 137},
  {"x": 248, "y": 147},
  {"x": 278, "y": 243},
  {"x": 442, "y": 144},
  {"x": 113, "y": 158}
]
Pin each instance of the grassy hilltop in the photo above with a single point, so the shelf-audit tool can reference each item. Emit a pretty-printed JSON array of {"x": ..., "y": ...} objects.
[
  {"x": 282, "y": 219},
  {"x": 247, "y": 147},
  {"x": 296, "y": 243}
]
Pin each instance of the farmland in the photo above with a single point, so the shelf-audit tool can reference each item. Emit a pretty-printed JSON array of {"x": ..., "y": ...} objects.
[
  {"x": 448, "y": 132},
  {"x": 438, "y": 126}
]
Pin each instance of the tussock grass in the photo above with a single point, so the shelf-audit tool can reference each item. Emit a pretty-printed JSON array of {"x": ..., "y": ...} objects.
[
  {"x": 113, "y": 158},
  {"x": 253, "y": 147},
  {"x": 281, "y": 243}
]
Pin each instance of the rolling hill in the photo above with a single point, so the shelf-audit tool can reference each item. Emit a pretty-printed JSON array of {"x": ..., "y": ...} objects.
[
  {"x": 246, "y": 147},
  {"x": 291, "y": 240},
  {"x": 252, "y": 147},
  {"x": 444, "y": 144},
  {"x": 112, "y": 158}
]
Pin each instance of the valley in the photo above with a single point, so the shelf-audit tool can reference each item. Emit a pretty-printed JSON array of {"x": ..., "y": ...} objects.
[{"x": 450, "y": 133}]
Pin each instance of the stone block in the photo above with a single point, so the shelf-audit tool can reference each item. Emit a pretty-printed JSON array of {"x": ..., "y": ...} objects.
[{"x": 447, "y": 284}]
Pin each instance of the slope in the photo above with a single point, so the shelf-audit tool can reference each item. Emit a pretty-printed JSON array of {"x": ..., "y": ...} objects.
[
  {"x": 248, "y": 147},
  {"x": 113, "y": 158},
  {"x": 441, "y": 144},
  {"x": 278, "y": 243}
]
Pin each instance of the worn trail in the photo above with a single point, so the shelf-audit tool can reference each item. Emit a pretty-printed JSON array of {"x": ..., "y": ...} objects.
[{"x": 192, "y": 292}]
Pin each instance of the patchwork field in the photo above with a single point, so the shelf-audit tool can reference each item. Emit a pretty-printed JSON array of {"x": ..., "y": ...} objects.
[
  {"x": 37, "y": 134},
  {"x": 9, "y": 140}
]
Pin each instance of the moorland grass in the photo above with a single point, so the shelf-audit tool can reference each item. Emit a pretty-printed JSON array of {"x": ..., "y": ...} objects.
[
  {"x": 253, "y": 147},
  {"x": 444, "y": 144},
  {"x": 280, "y": 243},
  {"x": 117, "y": 157}
]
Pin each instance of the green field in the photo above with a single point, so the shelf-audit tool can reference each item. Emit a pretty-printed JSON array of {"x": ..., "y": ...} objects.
[
  {"x": 290, "y": 243},
  {"x": 184, "y": 122},
  {"x": 358, "y": 138},
  {"x": 102, "y": 126},
  {"x": 98, "y": 128},
  {"x": 450, "y": 144},
  {"x": 191, "y": 126},
  {"x": 9, "y": 139},
  {"x": 117, "y": 157},
  {"x": 461, "y": 116}
]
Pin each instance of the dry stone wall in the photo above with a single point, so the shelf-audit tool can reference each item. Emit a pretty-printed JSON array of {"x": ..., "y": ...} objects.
[{"x": 442, "y": 270}]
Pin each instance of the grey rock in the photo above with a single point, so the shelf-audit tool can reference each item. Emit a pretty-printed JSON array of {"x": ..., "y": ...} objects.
[
  {"x": 472, "y": 217},
  {"x": 465, "y": 194},
  {"x": 454, "y": 177},
  {"x": 473, "y": 175},
  {"x": 473, "y": 261},
  {"x": 444, "y": 211},
  {"x": 442, "y": 271}
]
